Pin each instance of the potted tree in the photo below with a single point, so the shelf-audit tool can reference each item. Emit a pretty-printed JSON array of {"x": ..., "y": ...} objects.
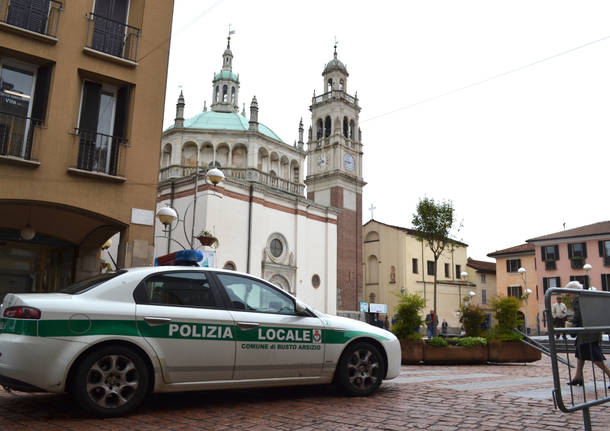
[
  {"x": 208, "y": 239},
  {"x": 407, "y": 322}
]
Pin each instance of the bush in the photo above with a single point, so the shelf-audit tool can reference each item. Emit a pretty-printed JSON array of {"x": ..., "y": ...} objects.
[
  {"x": 471, "y": 342},
  {"x": 507, "y": 315},
  {"x": 408, "y": 318},
  {"x": 437, "y": 342},
  {"x": 472, "y": 318}
]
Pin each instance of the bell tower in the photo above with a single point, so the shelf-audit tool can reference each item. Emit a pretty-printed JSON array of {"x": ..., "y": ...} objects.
[
  {"x": 225, "y": 86},
  {"x": 334, "y": 174}
]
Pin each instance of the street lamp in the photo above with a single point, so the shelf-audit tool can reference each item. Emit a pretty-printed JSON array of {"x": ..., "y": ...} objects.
[
  {"x": 471, "y": 295},
  {"x": 587, "y": 267},
  {"x": 522, "y": 272},
  {"x": 464, "y": 276}
]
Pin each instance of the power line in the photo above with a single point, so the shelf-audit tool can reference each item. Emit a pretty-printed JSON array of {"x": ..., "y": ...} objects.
[
  {"x": 483, "y": 81},
  {"x": 193, "y": 21}
]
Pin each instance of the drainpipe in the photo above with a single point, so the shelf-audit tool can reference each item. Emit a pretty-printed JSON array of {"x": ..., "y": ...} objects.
[{"x": 249, "y": 227}]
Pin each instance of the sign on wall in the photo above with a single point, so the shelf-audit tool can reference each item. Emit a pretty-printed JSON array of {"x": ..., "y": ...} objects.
[
  {"x": 378, "y": 308},
  {"x": 364, "y": 307}
]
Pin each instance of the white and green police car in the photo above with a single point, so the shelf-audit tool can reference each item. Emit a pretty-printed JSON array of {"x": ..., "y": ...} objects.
[{"x": 113, "y": 339}]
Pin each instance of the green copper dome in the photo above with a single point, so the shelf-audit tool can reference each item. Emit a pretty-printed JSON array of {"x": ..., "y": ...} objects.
[
  {"x": 211, "y": 120},
  {"x": 227, "y": 75}
]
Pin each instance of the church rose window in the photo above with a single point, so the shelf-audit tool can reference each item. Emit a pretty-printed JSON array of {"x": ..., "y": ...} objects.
[{"x": 276, "y": 247}]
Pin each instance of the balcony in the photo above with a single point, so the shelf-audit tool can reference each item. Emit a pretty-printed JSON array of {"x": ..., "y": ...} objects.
[
  {"x": 17, "y": 139},
  {"x": 36, "y": 17},
  {"x": 238, "y": 174},
  {"x": 112, "y": 38},
  {"x": 99, "y": 155},
  {"x": 335, "y": 94}
]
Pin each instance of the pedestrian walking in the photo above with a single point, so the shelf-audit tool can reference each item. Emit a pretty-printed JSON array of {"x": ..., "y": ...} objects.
[
  {"x": 587, "y": 345},
  {"x": 431, "y": 324},
  {"x": 559, "y": 311}
]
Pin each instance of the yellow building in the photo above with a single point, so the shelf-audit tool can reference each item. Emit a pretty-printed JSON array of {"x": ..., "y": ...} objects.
[
  {"x": 395, "y": 262},
  {"x": 482, "y": 275},
  {"x": 515, "y": 275},
  {"x": 81, "y": 108}
]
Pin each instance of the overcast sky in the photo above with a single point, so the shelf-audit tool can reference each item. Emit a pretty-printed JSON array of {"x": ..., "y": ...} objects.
[{"x": 502, "y": 107}]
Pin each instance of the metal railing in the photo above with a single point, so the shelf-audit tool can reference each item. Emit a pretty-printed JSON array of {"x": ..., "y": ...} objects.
[
  {"x": 112, "y": 37},
  {"x": 592, "y": 389},
  {"x": 239, "y": 174},
  {"x": 17, "y": 136},
  {"x": 335, "y": 94},
  {"x": 39, "y": 16},
  {"x": 101, "y": 153}
]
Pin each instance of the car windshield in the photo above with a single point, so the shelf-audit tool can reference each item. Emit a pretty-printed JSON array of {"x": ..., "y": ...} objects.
[{"x": 90, "y": 283}]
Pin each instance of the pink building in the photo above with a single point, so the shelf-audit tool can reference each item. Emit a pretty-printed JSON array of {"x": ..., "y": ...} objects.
[{"x": 560, "y": 258}]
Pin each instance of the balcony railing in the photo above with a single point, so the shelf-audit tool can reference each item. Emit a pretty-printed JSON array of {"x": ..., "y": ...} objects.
[
  {"x": 112, "y": 37},
  {"x": 245, "y": 175},
  {"x": 335, "y": 94},
  {"x": 39, "y": 16},
  {"x": 17, "y": 136},
  {"x": 100, "y": 153}
]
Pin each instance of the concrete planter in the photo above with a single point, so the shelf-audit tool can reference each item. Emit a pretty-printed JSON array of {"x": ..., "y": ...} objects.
[
  {"x": 455, "y": 355},
  {"x": 412, "y": 352},
  {"x": 512, "y": 351}
]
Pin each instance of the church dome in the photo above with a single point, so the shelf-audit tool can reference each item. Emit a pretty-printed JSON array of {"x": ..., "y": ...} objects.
[
  {"x": 227, "y": 75},
  {"x": 335, "y": 64}
]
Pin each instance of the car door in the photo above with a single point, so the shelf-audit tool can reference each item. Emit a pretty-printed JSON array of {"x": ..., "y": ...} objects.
[
  {"x": 272, "y": 339},
  {"x": 180, "y": 314}
]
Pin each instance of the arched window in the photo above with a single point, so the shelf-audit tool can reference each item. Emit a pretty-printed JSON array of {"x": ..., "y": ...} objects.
[
  {"x": 327, "y": 128},
  {"x": 373, "y": 267},
  {"x": 233, "y": 95},
  {"x": 216, "y": 94},
  {"x": 329, "y": 85},
  {"x": 224, "y": 93},
  {"x": 345, "y": 127},
  {"x": 167, "y": 156},
  {"x": 351, "y": 129},
  {"x": 320, "y": 129},
  {"x": 341, "y": 86}
]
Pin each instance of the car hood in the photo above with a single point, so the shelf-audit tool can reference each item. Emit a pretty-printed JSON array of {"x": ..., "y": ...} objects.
[{"x": 354, "y": 327}]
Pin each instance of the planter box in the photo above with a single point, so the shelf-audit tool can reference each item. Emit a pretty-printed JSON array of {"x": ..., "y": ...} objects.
[
  {"x": 455, "y": 355},
  {"x": 512, "y": 351},
  {"x": 412, "y": 352}
]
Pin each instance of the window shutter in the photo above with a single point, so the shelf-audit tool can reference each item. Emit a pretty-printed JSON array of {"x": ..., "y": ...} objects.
[
  {"x": 570, "y": 253},
  {"x": 558, "y": 281},
  {"x": 600, "y": 245},
  {"x": 586, "y": 286},
  {"x": 604, "y": 282},
  {"x": 545, "y": 284},
  {"x": 556, "y": 252},
  {"x": 507, "y": 265},
  {"x": 122, "y": 108},
  {"x": 518, "y": 263},
  {"x": 543, "y": 253},
  {"x": 87, "y": 126},
  {"x": 584, "y": 250},
  {"x": 41, "y": 92},
  {"x": 38, "y": 15},
  {"x": 18, "y": 13}
]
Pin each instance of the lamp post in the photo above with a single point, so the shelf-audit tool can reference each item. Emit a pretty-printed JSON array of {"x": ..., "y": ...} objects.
[
  {"x": 464, "y": 276},
  {"x": 527, "y": 291},
  {"x": 587, "y": 267},
  {"x": 471, "y": 295}
]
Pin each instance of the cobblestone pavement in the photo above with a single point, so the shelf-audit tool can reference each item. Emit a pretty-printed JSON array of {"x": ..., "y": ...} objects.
[{"x": 483, "y": 397}]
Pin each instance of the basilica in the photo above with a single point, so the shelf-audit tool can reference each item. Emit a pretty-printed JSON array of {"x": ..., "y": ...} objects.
[{"x": 289, "y": 213}]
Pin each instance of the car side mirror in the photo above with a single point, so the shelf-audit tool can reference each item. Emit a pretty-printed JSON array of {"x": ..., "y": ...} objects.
[{"x": 300, "y": 307}]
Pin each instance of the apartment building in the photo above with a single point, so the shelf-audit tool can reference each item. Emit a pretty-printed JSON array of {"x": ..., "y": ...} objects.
[{"x": 82, "y": 88}]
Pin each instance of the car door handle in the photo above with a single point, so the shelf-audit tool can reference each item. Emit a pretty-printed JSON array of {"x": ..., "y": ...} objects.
[
  {"x": 157, "y": 321},
  {"x": 248, "y": 325}
]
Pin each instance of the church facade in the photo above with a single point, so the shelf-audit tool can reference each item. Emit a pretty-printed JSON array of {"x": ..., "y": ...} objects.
[{"x": 265, "y": 222}]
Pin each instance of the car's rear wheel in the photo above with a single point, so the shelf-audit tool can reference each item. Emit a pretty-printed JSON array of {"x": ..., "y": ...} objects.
[
  {"x": 111, "y": 381},
  {"x": 361, "y": 369}
]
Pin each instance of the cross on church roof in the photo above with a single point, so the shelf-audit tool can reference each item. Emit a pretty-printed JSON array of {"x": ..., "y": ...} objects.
[{"x": 371, "y": 209}]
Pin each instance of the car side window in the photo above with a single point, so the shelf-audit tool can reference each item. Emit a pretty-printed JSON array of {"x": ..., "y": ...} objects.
[
  {"x": 189, "y": 289},
  {"x": 251, "y": 295}
]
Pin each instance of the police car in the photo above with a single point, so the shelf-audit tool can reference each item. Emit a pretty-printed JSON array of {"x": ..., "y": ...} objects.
[{"x": 113, "y": 339}]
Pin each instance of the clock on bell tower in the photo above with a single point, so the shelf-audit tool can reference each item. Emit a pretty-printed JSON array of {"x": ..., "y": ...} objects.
[{"x": 334, "y": 174}]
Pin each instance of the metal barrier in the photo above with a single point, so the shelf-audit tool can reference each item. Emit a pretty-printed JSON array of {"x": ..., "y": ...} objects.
[{"x": 593, "y": 389}]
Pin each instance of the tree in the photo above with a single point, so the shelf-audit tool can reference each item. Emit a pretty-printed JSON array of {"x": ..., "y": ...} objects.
[
  {"x": 432, "y": 223},
  {"x": 408, "y": 317},
  {"x": 472, "y": 317}
]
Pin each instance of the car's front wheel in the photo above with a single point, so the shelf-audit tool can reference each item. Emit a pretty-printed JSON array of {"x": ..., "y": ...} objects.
[
  {"x": 111, "y": 381},
  {"x": 361, "y": 369}
]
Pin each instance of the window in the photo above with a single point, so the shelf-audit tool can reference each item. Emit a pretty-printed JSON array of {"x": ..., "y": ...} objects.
[
  {"x": 550, "y": 253},
  {"x": 320, "y": 129},
  {"x": 414, "y": 266},
  {"x": 577, "y": 253},
  {"x": 582, "y": 279},
  {"x": 190, "y": 289},
  {"x": 109, "y": 26},
  {"x": 276, "y": 247},
  {"x": 29, "y": 14},
  {"x": 327, "y": 127},
  {"x": 252, "y": 295},
  {"x": 513, "y": 265},
  {"x": 604, "y": 251},
  {"x": 345, "y": 127},
  {"x": 483, "y": 296},
  {"x": 514, "y": 291},
  {"x": 216, "y": 93},
  {"x": 483, "y": 278},
  {"x": 233, "y": 95},
  {"x": 224, "y": 94},
  {"x": 102, "y": 126},
  {"x": 24, "y": 91},
  {"x": 315, "y": 281},
  {"x": 447, "y": 275},
  {"x": 431, "y": 269},
  {"x": 458, "y": 271},
  {"x": 606, "y": 282},
  {"x": 548, "y": 282}
]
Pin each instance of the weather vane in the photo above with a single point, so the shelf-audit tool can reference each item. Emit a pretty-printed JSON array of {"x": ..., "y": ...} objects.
[{"x": 336, "y": 43}]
